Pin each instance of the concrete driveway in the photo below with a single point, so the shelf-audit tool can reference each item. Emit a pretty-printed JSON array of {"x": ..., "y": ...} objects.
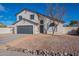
[
  {"x": 11, "y": 53},
  {"x": 9, "y": 37}
]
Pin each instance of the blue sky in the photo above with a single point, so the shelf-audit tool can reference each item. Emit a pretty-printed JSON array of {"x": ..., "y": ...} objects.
[{"x": 8, "y": 11}]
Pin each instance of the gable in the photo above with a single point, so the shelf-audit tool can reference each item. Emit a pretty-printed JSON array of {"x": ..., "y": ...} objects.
[{"x": 27, "y": 15}]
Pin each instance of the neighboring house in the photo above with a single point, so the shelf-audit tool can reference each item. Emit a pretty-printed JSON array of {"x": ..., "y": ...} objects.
[{"x": 31, "y": 22}]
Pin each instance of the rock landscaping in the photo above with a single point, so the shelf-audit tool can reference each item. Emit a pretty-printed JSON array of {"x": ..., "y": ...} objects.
[
  {"x": 43, "y": 52},
  {"x": 41, "y": 45}
]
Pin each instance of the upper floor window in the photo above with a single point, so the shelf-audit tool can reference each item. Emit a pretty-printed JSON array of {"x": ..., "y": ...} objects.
[
  {"x": 31, "y": 16},
  {"x": 41, "y": 22},
  {"x": 20, "y": 17}
]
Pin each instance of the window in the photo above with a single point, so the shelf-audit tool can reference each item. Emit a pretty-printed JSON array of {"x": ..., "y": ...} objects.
[
  {"x": 41, "y": 22},
  {"x": 31, "y": 16},
  {"x": 20, "y": 17},
  {"x": 52, "y": 24}
]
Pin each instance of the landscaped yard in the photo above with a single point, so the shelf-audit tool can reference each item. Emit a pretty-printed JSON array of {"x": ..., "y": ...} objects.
[{"x": 48, "y": 43}]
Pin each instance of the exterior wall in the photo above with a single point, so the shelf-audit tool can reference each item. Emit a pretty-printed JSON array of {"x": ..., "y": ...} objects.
[
  {"x": 5, "y": 30},
  {"x": 60, "y": 30},
  {"x": 26, "y": 14},
  {"x": 36, "y": 29},
  {"x": 46, "y": 24},
  {"x": 68, "y": 29},
  {"x": 22, "y": 22}
]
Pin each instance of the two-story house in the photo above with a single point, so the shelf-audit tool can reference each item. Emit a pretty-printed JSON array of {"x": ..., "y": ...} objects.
[{"x": 31, "y": 22}]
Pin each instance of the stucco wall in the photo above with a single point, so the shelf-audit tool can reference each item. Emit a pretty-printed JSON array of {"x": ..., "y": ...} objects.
[
  {"x": 26, "y": 15},
  {"x": 68, "y": 29},
  {"x": 60, "y": 30},
  {"x": 6, "y": 31}
]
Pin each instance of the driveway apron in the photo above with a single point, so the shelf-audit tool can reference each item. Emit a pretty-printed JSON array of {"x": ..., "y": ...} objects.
[{"x": 9, "y": 38}]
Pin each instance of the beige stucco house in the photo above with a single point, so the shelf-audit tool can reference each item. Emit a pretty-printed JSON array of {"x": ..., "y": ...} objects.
[{"x": 31, "y": 22}]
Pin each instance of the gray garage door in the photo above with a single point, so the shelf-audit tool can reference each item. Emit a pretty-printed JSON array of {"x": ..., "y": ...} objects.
[{"x": 25, "y": 29}]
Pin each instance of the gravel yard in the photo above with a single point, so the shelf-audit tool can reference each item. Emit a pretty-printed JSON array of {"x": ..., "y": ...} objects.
[
  {"x": 58, "y": 44},
  {"x": 43, "y": 45}
]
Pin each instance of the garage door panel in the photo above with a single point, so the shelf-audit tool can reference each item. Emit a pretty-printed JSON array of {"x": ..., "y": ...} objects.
[{"x": 25, "y": 29}]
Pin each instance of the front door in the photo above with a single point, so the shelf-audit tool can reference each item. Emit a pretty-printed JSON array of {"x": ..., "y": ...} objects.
[{"x": 41, "y": 29}]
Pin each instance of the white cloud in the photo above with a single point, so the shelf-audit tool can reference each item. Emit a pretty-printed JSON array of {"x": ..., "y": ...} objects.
[{"x": 2, "y": 8}]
